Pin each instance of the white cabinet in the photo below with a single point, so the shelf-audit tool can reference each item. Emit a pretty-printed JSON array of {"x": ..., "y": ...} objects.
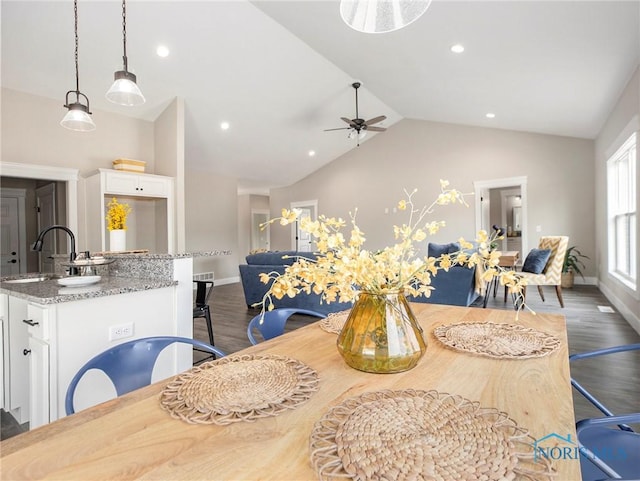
[
  {"x": 39, "y": 384},
  {"x": 137, "y": 184},
  {"x": 151, "y": 224},
  {"x": 18, "y": 382}
]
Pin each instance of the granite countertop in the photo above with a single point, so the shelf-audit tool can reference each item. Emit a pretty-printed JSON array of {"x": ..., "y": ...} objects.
[{"x": 50, "y": 292}]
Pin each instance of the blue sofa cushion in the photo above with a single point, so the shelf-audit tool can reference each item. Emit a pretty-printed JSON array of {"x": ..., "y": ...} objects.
[
  {"x": 436, "y": 250},
  {"x": 536, "y": 261}
]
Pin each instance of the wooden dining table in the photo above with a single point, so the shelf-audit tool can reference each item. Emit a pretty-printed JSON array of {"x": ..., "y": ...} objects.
[{"x": 132, "y": 437}]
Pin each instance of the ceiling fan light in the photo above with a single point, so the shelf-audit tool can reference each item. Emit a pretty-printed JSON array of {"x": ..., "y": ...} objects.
[
  {"x": 381, "y": 16},
  {"x": 78, "y": 118},
  {"x": 124, "y": 90}
]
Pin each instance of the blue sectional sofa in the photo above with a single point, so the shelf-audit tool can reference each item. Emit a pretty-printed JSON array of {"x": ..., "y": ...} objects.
[
  {"x": 456, "y": 287},
  {"x": 266, "y": 262}
]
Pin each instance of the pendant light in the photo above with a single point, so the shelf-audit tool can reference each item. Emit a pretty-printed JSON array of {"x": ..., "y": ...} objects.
[
  {"x": 381, "y": 16},
  {"x": 78, "y": 117},
  {"x": 124, "y": 90}
]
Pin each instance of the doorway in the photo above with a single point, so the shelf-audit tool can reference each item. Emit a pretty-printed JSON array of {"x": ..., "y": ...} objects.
[
  {"x": 260, "y": 230},
  {"x": 301, "y": 241},
  {"x": 501, "y": 202},
  {"x": 66, "y": 201}
]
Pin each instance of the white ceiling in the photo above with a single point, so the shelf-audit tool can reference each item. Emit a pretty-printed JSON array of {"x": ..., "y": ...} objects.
[{"x": 280, "y": 72}]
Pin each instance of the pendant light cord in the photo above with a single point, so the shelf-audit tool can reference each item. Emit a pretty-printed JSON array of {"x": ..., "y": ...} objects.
[
  {"x": 75, "y": 13},
  {"x": 124, "y": 34}
]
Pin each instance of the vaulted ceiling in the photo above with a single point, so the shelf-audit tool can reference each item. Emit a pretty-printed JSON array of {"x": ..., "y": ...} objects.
[{"x": 280, "y": 72}]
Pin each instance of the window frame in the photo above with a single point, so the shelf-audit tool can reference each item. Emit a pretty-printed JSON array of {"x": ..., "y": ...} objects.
[{"x": 622, "y": 212}]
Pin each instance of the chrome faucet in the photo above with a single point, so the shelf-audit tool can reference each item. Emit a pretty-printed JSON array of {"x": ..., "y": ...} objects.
[{"x": 37, "y": 246}]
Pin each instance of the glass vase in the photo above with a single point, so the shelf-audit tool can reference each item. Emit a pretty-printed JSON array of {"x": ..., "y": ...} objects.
[{"x": 381, "y": 334}]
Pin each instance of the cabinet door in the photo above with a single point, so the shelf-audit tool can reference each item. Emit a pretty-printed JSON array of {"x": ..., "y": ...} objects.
[
  {"x": 18, "y": 359},
  {"x": 116, "y": 183},
  {"x": 40, "y": 399},
  {"x": 153, "y": 187}
]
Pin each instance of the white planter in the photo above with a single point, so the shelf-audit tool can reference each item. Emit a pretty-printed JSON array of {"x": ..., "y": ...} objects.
[{"x": 117, "y": 240}]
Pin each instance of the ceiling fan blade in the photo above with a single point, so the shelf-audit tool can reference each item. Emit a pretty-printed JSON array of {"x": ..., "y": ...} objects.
[
  {"x": 375, "y": 120},
  {"x": 349, "y": 121},
  {"x": 375, "y": 129},
  {"x": 341, "y": 128}
]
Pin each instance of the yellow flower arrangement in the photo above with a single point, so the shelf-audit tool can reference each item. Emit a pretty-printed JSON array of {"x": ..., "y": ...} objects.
[
  {"x": 117, "y": 215},
  {"x": 343, "y": 267}
]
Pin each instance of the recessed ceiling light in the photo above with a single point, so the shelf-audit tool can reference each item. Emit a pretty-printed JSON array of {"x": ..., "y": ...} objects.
[
  {"x": 312, "y": 153},
  {"x": 490, "y": 115},
  {"x": 457, "y": 48},
  {"x": 162, "y": 51},
  {"x": 225, "y": 126}
]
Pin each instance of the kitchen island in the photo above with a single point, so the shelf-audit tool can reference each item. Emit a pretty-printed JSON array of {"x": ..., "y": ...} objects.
[{"x": 49, "y": 331}]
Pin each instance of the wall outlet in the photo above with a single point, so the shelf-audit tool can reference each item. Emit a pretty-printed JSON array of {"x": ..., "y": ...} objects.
[{"x": 120, "y": 332}]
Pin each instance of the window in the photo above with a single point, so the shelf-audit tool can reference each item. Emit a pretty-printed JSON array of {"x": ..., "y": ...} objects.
[{"x": 621, "y": 176}]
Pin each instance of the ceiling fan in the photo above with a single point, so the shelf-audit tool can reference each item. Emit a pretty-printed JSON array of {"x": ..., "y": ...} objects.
[{"x": 358, "y": 127}]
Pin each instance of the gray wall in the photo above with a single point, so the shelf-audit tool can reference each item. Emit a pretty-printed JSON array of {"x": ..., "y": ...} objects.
[
  {"x": 623, "y": 120},
  {"x": 415, "y": 153}
]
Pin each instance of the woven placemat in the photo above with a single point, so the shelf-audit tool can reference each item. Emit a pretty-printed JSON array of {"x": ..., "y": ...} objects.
[
  {"x": 411, "y": 434},
  {"x": 239, "y": 388},
  {"x": 502, "y": 341},
  {"x": 334, "y": 322}
]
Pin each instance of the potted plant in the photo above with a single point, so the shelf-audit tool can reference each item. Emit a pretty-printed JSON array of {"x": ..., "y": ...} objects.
[{"x": 572, "y": 264}]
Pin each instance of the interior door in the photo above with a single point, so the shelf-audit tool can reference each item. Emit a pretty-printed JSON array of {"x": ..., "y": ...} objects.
[
  {"x": 303, "y": 239},
  {"x": 46, "y": 202},
  {"x": 9, "y": 237}
]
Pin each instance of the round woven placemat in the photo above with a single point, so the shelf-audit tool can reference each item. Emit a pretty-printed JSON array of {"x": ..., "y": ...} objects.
[
  {"x": 410, "y": 434},
  {"x": 503, "y": 341},
  {"x": 239, "y": 388},
  {"x": 334, "y": 322}
]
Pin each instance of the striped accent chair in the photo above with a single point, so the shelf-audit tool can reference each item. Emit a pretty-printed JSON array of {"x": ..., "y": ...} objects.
[{"x": 551, "y": 274}]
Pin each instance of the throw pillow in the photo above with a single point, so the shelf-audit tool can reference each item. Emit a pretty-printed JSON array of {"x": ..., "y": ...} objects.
[
  {"x": 436, "y": 250},
  {"x": 536, "y": 261}
]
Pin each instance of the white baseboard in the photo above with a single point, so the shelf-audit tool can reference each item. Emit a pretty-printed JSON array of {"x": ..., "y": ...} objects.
[
  {"x": 588, "y": 281},
  {"x": 227, "y": 280},
  {"x": 629, "y": 316}
]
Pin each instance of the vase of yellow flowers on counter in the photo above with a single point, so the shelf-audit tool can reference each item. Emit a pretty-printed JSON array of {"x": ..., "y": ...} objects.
[
  {"x": 117, "y": 225},
  {"x": 380, "y": 334}
]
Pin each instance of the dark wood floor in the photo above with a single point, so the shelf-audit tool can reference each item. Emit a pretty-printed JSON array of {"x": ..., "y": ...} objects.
[{"x": 616, "y": 379}]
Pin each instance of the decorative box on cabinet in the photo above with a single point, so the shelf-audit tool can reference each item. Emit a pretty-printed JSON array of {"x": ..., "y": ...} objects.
[{"x": 151, "y": 223}]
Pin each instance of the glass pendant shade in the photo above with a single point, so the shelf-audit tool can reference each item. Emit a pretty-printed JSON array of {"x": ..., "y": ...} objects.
[
  {"x": 124, "y": 90},
  {"x": 380, "y": 16},
  {"x": 78, "y": 118}
]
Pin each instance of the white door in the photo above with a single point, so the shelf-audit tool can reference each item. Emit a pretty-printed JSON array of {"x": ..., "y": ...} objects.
[
  {"x": 301, "y": 241},
  {"x": 46, "y": 202},
  {"x": 9, "y": 238},
  {"x": 304, "y": 238},
  {"x": 10, "y": 229}
]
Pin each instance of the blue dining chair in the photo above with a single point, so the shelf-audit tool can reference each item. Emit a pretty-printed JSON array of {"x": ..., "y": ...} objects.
[
  {"x": 130, "y": 365},
  {"x": 609, "y": 447},
  {"x": 271, "y": 323}
]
